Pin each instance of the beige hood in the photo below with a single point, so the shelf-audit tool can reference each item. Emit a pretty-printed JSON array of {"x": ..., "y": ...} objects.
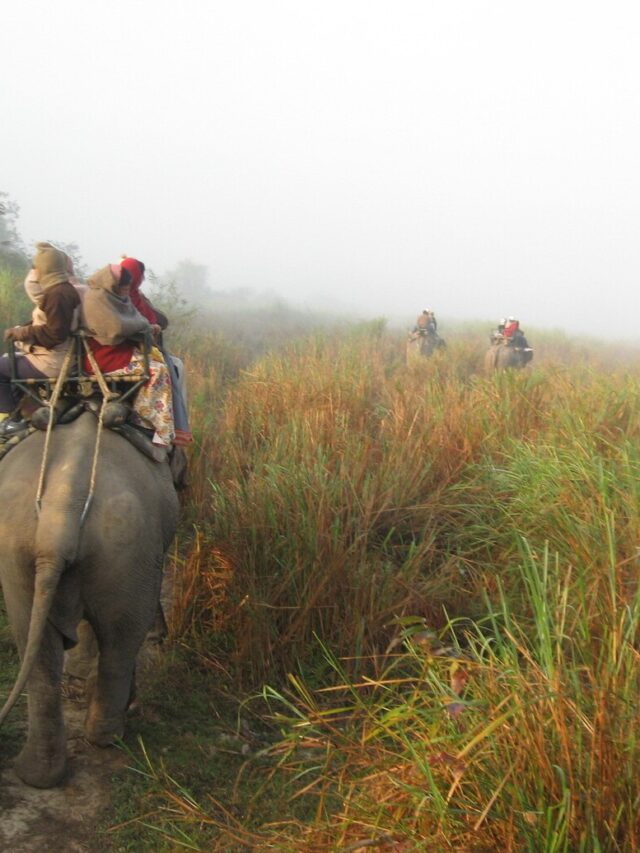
[
  {"x": 110, "y": 318},
  {"x": 50, "y": 265}
]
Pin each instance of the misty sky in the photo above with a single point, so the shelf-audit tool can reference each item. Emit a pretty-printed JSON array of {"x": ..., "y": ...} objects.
[{"x": 476, "y": 158}]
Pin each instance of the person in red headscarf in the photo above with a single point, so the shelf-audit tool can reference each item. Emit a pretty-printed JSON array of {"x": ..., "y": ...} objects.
[
  {"x": 511, "y": 327},
  {"x": 136, "y": 270}
]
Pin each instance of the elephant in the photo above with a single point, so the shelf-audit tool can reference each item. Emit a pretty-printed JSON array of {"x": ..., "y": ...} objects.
[
  {"x": 423, "y": 345},
  {"x": 70, "y": 556},
  {"x": 501, "y": 356}
]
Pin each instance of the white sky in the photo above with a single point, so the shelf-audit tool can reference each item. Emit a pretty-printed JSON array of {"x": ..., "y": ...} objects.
[{"x": 477, "y": 158}]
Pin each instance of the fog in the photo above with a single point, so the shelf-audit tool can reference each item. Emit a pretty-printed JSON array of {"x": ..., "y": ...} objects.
[{"x": 476, "y": 158}]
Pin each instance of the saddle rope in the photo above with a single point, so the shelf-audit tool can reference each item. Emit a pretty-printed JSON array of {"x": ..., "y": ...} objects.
[
  {"x": 107, "y": 395},
  {"x": 52, "y": 408}
]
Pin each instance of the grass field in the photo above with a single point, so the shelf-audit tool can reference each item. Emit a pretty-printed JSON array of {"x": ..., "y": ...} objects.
[{"x": 421, "y": 582}]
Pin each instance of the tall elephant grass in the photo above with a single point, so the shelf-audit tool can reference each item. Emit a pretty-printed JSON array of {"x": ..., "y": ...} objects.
[
  {"x": 523, "y": 739},
  {"x": 435, "y": 572},
  {"x": 343, "y": 488}
]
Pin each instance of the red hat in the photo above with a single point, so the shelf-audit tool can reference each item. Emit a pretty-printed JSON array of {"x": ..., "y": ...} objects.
[{"x": 135, "y": 269}]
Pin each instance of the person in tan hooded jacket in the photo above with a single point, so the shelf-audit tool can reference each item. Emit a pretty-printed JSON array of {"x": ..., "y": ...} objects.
[
  {"x": 45, "y": 340},
  {"x": 47, "y": 361}
]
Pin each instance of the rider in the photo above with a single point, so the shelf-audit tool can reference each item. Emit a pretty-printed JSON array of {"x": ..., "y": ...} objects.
[
  {"x": 511, "y": 327},
  {"x": 112, "y": 320},
  {"x": 519, "y": 339},
  {"x": 136, "y": 269},
  {"x": 497, "y": 334},
  {"x": 515, "y": 335},
  {"x": 426, "y": 323},
  {"x": 45, "y": 340}
]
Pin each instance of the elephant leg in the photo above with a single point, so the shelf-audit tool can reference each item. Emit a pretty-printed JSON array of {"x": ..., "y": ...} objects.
[
  {"x": 120, "y": 603},
  {"x": 82, "y": 661},
  {"x": 115, "y": 685},
  {"x": 42, "y": 761}
]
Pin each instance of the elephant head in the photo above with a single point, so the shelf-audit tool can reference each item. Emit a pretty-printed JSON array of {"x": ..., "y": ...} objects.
[
  {"x": 57, "y": 566},
  {"x": 423, "y": 345}
]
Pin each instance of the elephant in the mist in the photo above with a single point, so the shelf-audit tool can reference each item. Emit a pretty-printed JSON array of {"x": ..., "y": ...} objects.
[
  {"x": 423, "y": 346},
  {"x": 56, "y": 569},
  {"x": 501, "y": 356}
]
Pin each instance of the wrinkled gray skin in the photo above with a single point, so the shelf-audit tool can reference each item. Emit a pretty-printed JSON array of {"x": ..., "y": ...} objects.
[
  {"x": 107, "y": 570},
  {"x": 501, "y": 356}
]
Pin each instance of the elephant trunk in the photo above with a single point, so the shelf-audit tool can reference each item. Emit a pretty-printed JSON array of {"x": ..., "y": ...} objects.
[{"x": 45, "y": 585}]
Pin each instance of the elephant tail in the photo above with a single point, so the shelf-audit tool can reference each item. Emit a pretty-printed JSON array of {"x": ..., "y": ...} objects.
[{"x": 46, "y": 583}]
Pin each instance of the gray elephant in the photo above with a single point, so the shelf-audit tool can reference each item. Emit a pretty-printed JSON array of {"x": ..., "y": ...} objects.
[
  {"x": 423, "y": 345},
  {"x": 56, "y": 568},
  {"x": 501, "y": 356}
]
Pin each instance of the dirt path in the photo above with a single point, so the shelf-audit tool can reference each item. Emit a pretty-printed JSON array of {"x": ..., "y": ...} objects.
[
  {"x": 65, "y": 819},
  {"x": 61, "y": 820}
]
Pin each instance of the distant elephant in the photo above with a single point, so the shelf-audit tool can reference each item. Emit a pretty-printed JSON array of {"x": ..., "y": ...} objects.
[
  {"x": 56, "y": 568},
  {"x": 423, "y": 345},
  {"x": 501, "y": 356}
]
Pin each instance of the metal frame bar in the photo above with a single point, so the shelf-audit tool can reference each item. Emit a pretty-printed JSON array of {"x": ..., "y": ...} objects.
[{"x": 79, "y": 375}]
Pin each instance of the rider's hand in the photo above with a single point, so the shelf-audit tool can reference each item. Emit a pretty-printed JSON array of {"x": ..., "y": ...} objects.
[
  {"x": 13, "y": 334},
  {"x": 155, "y": 330}
]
